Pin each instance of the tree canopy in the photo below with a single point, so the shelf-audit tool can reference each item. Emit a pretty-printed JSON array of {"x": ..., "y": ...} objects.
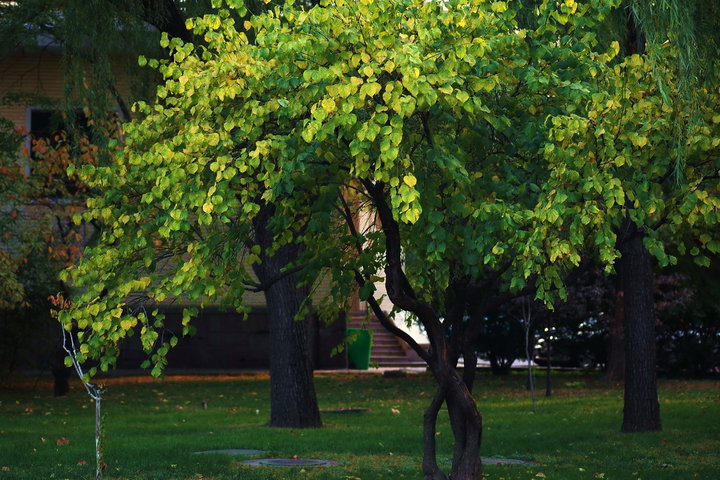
[{"x": 442, "y": 148}]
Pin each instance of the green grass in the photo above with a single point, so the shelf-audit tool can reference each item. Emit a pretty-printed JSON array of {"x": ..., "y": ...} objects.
[{"x": 153, "y": 428}]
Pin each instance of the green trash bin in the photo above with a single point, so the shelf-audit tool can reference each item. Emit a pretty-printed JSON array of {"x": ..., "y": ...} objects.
[{"x": 359, "y": 345}]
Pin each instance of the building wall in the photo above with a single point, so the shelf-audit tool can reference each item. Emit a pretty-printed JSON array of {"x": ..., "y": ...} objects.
[
  {"x": 224, "y": 341},
  {"x": 29, "y": 73}
]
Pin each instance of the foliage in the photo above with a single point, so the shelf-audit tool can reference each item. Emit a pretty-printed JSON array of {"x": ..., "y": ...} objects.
[
  {"x": 627, "y": 135},
  {"x": 238, "y": 125},
  {"x": 688, "y": 325},
  {"x": 486, "y": 158},
  {"x": 39, "y": 238}
]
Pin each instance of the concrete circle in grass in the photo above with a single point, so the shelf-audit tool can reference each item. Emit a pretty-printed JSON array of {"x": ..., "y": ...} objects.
[
  {"x": 235, "y": 451},
  {"x": 506, "y": 461},
  {"x": 290, "y": 462},
  {"x": 346, "y": 411}
]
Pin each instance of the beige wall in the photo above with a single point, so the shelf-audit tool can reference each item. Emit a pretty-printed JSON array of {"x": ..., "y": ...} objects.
[
  {"x": 37, "y": 74},
  {"x": 32, "y": 73}
]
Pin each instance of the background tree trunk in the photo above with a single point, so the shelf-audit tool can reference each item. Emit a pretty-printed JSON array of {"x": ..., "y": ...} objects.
[
  {"x": 641, "y": 409},
  {"x": 615, "y": 362}
]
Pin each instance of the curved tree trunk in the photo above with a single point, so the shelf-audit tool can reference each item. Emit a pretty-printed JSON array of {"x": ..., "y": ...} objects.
[
  {"x": 431, "y": 471},
  {"x": 641, "y": 410},
  {"x": 466, "y": 424},
  {"x": 441, "y": 358}
]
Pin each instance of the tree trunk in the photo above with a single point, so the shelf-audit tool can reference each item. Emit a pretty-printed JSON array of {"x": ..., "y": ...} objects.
[
  {"x": 615, "y": 362},
  {"x": 641, "y": 409},
  {"x": 466, "y": 423},
  {"x": 548, "y": 369},
  {"x": 293, "y": 403},
  {"x": 431, "y": 471}
]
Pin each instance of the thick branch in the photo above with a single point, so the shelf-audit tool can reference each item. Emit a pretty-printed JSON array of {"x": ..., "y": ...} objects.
[
  {"x": 172, "y": 21},
  {"x": 264, "y": 285}
]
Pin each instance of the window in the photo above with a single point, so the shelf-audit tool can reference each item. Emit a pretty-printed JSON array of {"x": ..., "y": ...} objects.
[{"x": 54, "y": 142}]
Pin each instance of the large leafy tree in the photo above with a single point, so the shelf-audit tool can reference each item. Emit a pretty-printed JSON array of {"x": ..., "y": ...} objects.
[
  {"x": 630, "y": 132},
  {"x": 100, "y": 43},
  {"x": 436, "y": 122},
  {"x": 674, "y": 41}
]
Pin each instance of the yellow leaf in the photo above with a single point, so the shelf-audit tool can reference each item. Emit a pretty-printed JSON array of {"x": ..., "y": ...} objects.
[
  {"x": 389, "y": 66},
  {"x": 410, "y": 180},
  {"x": 207, "y": 207},
  {"x": 368, "y": 71},
  {"x": 328, "y": 105}
]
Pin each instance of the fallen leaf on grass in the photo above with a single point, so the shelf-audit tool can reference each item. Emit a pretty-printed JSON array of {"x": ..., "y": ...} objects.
[
  {"x": 82, "y": 462},
  {"x": 42, "y": 439},
  {"x": 5, "y": 469},
  {"x": 395, "y": 411},
  {"x": 62, "y": 441}
]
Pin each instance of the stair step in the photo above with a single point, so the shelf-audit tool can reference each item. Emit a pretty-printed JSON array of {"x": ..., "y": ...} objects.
[{"x": 385, "y": 350}]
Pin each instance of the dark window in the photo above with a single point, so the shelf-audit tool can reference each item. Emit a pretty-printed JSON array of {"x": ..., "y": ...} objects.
[{"x": 52, "y": 132}]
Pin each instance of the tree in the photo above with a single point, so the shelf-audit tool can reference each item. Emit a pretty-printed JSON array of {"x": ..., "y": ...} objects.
[
  {"x": 650, "y": 29},
  {"x": 97, "y": 40},
  {"x": 38, "y": 240},
  {"x": 437, "y": 121},
  {"x": 630, "y": 132}
]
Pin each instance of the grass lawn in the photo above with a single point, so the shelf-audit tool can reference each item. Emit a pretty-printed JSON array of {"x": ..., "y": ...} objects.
[{"x": 153, "y": 428}]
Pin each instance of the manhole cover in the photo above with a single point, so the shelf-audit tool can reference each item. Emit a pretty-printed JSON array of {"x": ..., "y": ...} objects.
[
  {"x": 343, "y": 411},
  {"x": 290, "y": 462},
  {"x": 235, "y": 451},
  {"x": 506, "y": 461}
]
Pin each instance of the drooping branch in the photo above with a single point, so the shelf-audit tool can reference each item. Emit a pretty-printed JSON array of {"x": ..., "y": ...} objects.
[
  {"x": 396, "y": 283},
  {"x": 361, "y": 280},
  {"x": 398, "y": 332}
]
